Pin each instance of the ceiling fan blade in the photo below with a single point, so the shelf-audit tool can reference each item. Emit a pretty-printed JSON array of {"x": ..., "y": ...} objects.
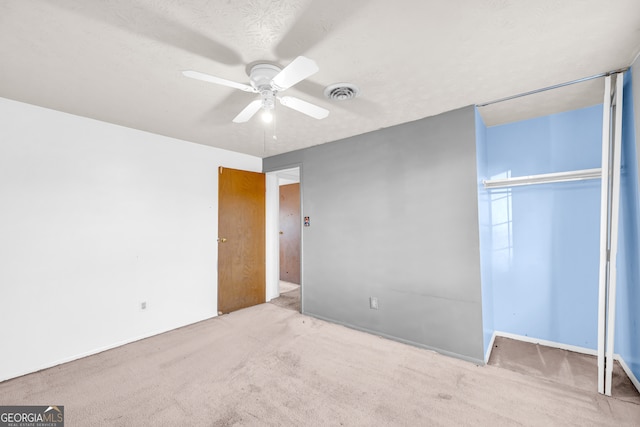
[
  {"x": 299, "y": 69},
  {"x": 304, "y": 107},
  {"x": 248, "y": 111},
  {"x": 217, "y": 80}
]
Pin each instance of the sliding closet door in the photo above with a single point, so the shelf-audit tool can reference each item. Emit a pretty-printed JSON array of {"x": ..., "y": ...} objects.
[{"x": 609, "y": 216}]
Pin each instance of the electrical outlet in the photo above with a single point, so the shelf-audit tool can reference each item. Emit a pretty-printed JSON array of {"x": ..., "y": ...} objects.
[
  {"x": 373, "y": 303},
  {"x": 143, "y": 305}
]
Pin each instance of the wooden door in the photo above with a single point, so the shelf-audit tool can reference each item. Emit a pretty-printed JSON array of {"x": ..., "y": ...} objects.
[
  {"x": 290, "y": 233},
  {"x": 241, "y": 239}
]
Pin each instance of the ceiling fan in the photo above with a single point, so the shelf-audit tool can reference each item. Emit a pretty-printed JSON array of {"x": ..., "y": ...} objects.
[{"x": 269, "y": 80}]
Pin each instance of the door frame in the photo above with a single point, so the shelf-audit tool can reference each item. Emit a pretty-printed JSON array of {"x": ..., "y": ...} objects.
[{"x": 272, "y": 210}]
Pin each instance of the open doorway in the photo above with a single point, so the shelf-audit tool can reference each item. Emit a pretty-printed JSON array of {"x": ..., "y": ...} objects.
[
  {"x": 289, "y": 235},
  {"x": 284, "y": 238}
]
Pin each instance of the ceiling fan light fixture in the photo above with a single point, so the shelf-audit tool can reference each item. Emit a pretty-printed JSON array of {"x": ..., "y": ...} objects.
[
  {"x": 268, "y": 105},
  {"x": 267, "y": 116}
]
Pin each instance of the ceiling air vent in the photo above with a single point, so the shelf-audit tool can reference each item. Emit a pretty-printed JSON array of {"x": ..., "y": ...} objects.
[{"x": 341, "y": 91}]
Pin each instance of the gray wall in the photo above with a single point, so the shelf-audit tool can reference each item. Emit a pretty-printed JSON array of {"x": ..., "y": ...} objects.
[{"x": 394, "y": 215}]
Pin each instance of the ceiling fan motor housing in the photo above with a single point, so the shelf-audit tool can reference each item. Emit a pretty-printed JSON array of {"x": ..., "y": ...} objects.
[{"x": 261, "y": 76}]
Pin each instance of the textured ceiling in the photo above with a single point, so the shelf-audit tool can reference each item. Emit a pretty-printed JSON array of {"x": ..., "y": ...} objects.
[{"x": 120, "y": 61}]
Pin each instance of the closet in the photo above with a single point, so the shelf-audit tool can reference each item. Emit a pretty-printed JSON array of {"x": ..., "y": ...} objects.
[{"x": 558, "y": 211}]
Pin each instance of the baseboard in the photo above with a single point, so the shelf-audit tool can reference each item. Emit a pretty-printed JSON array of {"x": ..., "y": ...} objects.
[
  {"x": 487, "y": 355},
  {"x": 95, "y": 351},
  {"x": 473, "y": 360},
  {"x": 547, "y": 343},
  {"x": 628, "y": 371}
]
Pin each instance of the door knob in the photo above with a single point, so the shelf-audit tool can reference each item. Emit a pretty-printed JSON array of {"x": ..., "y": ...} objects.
[
  {"x": 221, "y": 239},
  {"x": 282, "y": 232}
]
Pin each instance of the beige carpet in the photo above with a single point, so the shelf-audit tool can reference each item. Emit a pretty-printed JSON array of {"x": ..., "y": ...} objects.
[
  {"x": 289, "y": 300},
  {"x": 285, "y": 287},
  {"x": 562, "y": 366},
  {"x": 270, "y": 366}
]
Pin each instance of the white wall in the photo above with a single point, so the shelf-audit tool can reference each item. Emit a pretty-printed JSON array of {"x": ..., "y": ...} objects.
[{"x": 94, "y": 219}]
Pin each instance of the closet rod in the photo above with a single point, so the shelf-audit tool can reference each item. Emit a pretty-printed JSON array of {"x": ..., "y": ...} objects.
[
  {"x": 579, "y": 175},
  {"x": 584, "y": 79}
]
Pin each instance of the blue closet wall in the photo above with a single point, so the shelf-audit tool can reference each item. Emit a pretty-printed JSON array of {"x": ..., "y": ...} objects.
[
  {"x": 539, "y": 243},
  {"x": 627, "y": 338}
]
